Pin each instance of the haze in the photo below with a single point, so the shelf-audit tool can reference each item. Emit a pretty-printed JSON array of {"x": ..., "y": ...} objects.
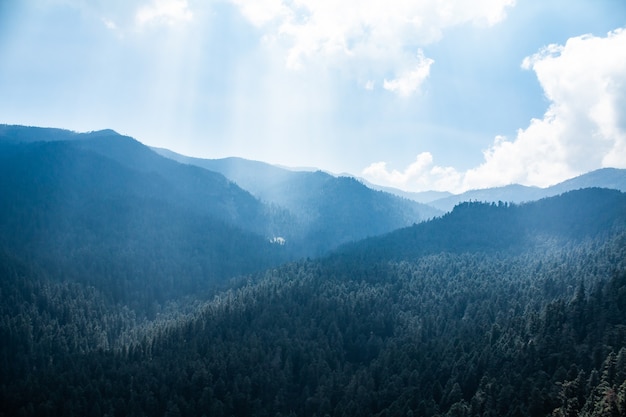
[{"x": 425, "y": 95}]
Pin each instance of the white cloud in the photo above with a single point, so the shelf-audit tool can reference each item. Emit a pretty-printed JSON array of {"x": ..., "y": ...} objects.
[
  {"x": 169, "y": 12},
  {"x": 369, "y": 36},
  {"x": 420, "y": 175},
  {"x": 411, "y": 80},
  {"x": 262, "y": 12},
  {"x": 583, "y": 129}
]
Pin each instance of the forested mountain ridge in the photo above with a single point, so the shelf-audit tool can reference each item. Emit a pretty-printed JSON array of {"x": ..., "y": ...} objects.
[
  {"x": 454, "y": 324},
  {"x": 200, "y": 190},
  {"x": 136, "y": 234},
  {"x": 490, "y": 227},
  {"x": 107, "y": 250},
  {"x": 27, "y": 134},
  {"x": 101, "y": 209},
  {"x": 611, "y": 178},
  {"x": 312, "y": 212},
  {"x": 267, "y": 182},
  {"x": 326, "y": 209}
]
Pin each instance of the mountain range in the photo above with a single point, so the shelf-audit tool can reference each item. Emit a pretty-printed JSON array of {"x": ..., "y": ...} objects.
[
  {"x": 612, "y": 178},
  {"x": 275, "y": 184},
  {"x": 70, "y": 197},
  {"x": 310, "y": 210},
  {"x": 325, "y": 208},
  {"x": 104, "y": 210},
  {"x": 132, "y": 283},
  {"x": 86, "y": 180}
]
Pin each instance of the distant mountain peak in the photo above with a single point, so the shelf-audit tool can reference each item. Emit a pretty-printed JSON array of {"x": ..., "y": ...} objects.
[
  {"x": 26, "y": 134},
  {"x": 103, "y": 132},
  {"x": 611, "y": 178}
]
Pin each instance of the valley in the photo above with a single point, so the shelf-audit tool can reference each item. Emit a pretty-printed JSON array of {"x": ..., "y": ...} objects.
[{"x": 136, "y": 281}]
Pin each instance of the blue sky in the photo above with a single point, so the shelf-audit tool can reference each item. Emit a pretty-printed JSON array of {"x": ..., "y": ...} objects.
[{"x": 431, "y": 94}]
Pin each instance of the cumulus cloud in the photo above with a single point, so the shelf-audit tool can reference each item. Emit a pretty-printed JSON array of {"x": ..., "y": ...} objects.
[
  {"x": 371, "y": 36},
  {"x": 411, "y": 80},
  {"x": 584, "y": 127},
  {"x": 421, "y": 175}
]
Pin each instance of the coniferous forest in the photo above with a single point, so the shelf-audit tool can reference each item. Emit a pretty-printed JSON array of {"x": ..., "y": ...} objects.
[{"x": 133, "y": 285}]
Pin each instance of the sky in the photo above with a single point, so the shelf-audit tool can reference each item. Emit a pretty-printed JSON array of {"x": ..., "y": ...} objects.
[{"x": 444, "y": 95}]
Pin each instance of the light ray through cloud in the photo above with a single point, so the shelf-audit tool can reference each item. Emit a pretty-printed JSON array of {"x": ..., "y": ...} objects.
[{"x": 334, "y": 85}]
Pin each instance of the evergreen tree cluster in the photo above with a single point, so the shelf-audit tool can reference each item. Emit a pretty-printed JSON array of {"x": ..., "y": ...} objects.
[
  {"x": 471, "y": 334},
  {"x": 131, "y": 285}
]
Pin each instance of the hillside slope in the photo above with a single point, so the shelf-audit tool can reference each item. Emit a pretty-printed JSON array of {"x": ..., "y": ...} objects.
[
  {"x": 139, "y": 232},
  {"x": 470, "y": 330},
  {"x": 490, "y": 227},
  {"x": 327, "y": 210},
  {"x": 312, "y": 212},
  {"x": 116, "y": 297}
]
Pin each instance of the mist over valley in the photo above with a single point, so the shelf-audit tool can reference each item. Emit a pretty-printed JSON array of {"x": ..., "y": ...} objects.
[{"x": 137, "y": 281}]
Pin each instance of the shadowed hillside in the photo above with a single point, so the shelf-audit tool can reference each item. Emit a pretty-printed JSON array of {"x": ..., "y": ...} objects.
[
  {"x": 327, "y": 210},
  {"x": 502, "y": 328},
  {"x": 131, "y": 284}
]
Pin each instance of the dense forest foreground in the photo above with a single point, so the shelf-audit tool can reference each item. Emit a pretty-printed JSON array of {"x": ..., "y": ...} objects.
[
  {"x": 502, "y": 329},
  {"x": 131, "y": 285}
]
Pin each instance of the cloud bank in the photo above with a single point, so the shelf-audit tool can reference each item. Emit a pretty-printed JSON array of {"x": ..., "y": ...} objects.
[
  {"x": 584, "y": 127},
  {"x": 375, "y": 40}
]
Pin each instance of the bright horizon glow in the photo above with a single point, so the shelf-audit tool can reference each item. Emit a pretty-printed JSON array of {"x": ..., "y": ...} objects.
[{"x": 419, "y": 96}]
